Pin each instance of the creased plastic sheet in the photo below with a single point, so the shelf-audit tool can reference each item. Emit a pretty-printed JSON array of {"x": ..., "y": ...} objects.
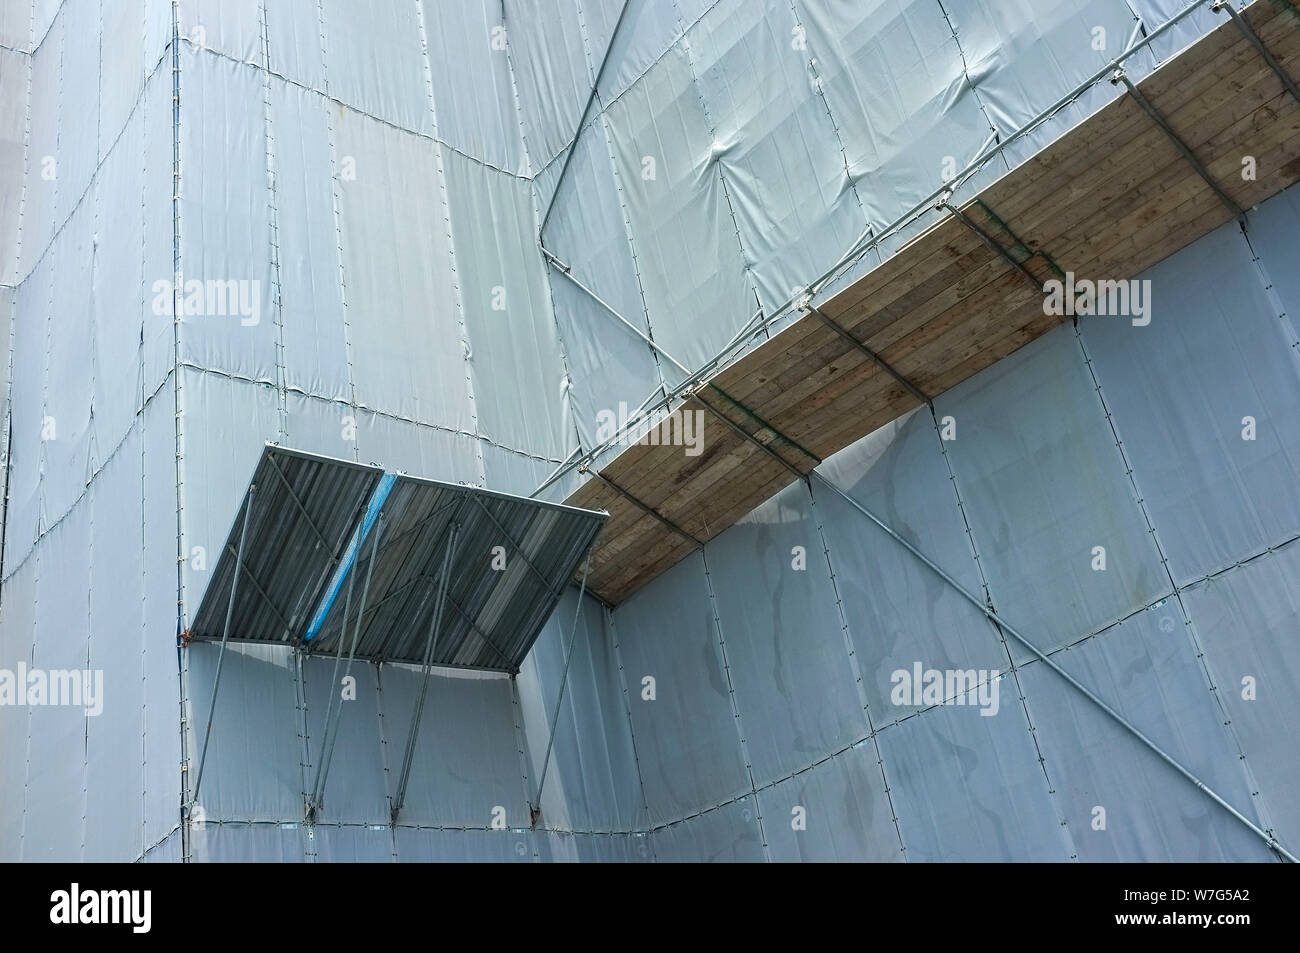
[
  {"x": 1024, "y": 55},
  {"x": 514, "y": 356},
  {"x": 893, "y": 77},
  {"x": 117, "y": 300},
  {"x": 114, "y": 815},
  {"x": 42, "y": 147},
  {"x": 728, "y": 834},
  {"x": 254, "y": 769},
  {"x": 295, "y": 43},
  {"x": 838, "y": 811},
  {"x": 592, "y": 782},
  {"x": 245, "y": 843},
  {"x": 777, "y": 144},
  {"x": 472, "y": 93},
  {"x": 26, "y": 396},
  {"x": 691, "y": 264},
  {"x": 401, "y": 297},
  {"x": 351, "y": 845},
  {"x": 65, "y": 408},
  {"x": 354, "y": 788},
  {"x": 899, "y": 612},
  {"x": 13, "y": 109},
  {"x": 785, "y": 639},
  {"x": 1146, "y": 668},
  {"x": 968, "y": 787},
  {"x": 374, "y": 60},
  {"x": 420, "y": 450},
  {"x": 1207, "y": 401},
  {"x": 649, "y": 28},
  {"x": 609, "y": 362},
  {"x": 17, "y": 635},
  {"x": 15, "y": 26},
  {"x": 554, "y": 846},
  {"x": 231, "y": 27},
  {"x": 78, "y": 101},
  {"x": 552, "y": 73},
  {"x": 422, "y": 845},
  {"x": 230, "y": 324},
  {"x": 1247, "y": 619},
  {"x": 162, "y": 715},
  {"x": 56, "y": 771},
  {"x": 686, "y": 738},
  {"x": 311, "y": 295},
  {"x": 159, "y": 229},
  {"x": 1044, "y": 485},
  {"x": 466, "y": 760}
]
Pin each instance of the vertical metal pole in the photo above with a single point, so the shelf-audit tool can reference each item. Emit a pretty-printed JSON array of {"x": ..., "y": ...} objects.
[
  {"x": 331, "y": 729},
  {"x": 559, "y": 702},
  {"x": 225, "y": 639},
  {"x": 427, "y": 666}
]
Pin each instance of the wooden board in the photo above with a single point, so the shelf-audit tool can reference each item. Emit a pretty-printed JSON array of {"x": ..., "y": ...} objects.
[{"x": 1108, "y": 199}]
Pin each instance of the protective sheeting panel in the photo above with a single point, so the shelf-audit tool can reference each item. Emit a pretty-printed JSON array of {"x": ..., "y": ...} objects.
[
  {"x": 691, "y": 264},
  {"x": 311, "y": 312},
  {"x": 514, "y": 357},
  {"x": 1146, "y": 668},
  {"x": 42, "y": 149},
  {"x": 837, "y": 811},
  {"x": 16, "y": 26},
  {"x": 79, "y": 83},
  {"x": 1247, "y": 619},
  {"x": 553, "y": 76},
  {"x": 232, "y": 27},
  {"x": 354, "y": 788},
  {"x": 472, "y": 93},
  {"x": 56, "y": 769},
  {"x": 731, "y": 833},
  {"x": 254, "y": 769},
  {"x": 17, "y": 636},
  {"x": 466, "y": 762},
  {"x": 686, "y": 736},
  {"x": 404, "y": 445},
  {"x": 777, "y": 144},
  {"x": 401, "y": 297},
  {"x": 1212, "y": 427},
  {"x": 350, "y": 845},
  {"x": 787, "y": 645},
  {"x": 114, "y": 809},
  {"x": 228, "y": 319},
  {"x": 159, "y": 229},
  {"x": 899, "y": 612},
  {"x": 162, "y": 721},
  {"x": 649, "y": 29},
  {"x": 592, "y": 781},
  {"x": 969, "y": 788},
  {"x": 374, "y": 60},
  {"x": 233, "y": 843},
  {"x": 27, "y": 403},
  {"x": 419, "y": 845},
  {"x": 13, "y": 133},
  {"x": 1044, "y": 484},
  {"x": 555, "y": 846},
  {"x": 893, "y": 77}
]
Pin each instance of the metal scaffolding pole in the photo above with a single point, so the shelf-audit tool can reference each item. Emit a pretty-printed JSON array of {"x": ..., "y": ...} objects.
[{"x": 400, "y": 798}]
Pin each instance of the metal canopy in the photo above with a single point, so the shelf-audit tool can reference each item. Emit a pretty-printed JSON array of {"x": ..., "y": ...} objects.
[
  {"x": 513, "y": 557},
  {"x": 305, "y": 510}
]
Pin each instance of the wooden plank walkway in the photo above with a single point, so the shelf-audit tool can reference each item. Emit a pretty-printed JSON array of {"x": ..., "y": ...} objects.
[{"x": 1107, "y": 200}]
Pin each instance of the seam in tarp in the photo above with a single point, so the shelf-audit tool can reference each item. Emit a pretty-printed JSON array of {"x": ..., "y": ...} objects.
[
  {"x": 612, "y": 627},
  {"x": 855, "y": 669},
  {"x": 445, "y": 200},
  {"x": 142, "y": 403},
  {"x": 337, "y": 204},
  {"x": 1012, "y": 668},
  {"x": 970, "y": 83},
  {"x": 1189, "y": 624},
  {"x": 735, "y": 702},
  {"x": 277, "y": 287}
]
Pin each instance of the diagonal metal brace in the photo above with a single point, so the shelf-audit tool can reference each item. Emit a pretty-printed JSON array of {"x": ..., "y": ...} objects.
[
  {"x": 1249, "y": 32},
  {"x": 884, "y": 365},
  {"x": 993, "y": 245},
  {"x": 1122, "y": 77},
  {"x": 648, "y": 510}
]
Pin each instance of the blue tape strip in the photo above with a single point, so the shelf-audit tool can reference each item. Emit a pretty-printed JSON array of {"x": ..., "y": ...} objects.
[{"x": 350, "y": 557}]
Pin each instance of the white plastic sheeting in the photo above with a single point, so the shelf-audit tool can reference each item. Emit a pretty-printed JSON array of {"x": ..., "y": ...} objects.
[{"x": 376, "y": 188}]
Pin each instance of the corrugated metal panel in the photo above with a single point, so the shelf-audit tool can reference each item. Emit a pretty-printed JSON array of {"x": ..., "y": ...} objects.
[
  {"x": 492, "y": 615},
  {"x": 305, "y": 510},
  {"x": 305, "y": 522}
]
